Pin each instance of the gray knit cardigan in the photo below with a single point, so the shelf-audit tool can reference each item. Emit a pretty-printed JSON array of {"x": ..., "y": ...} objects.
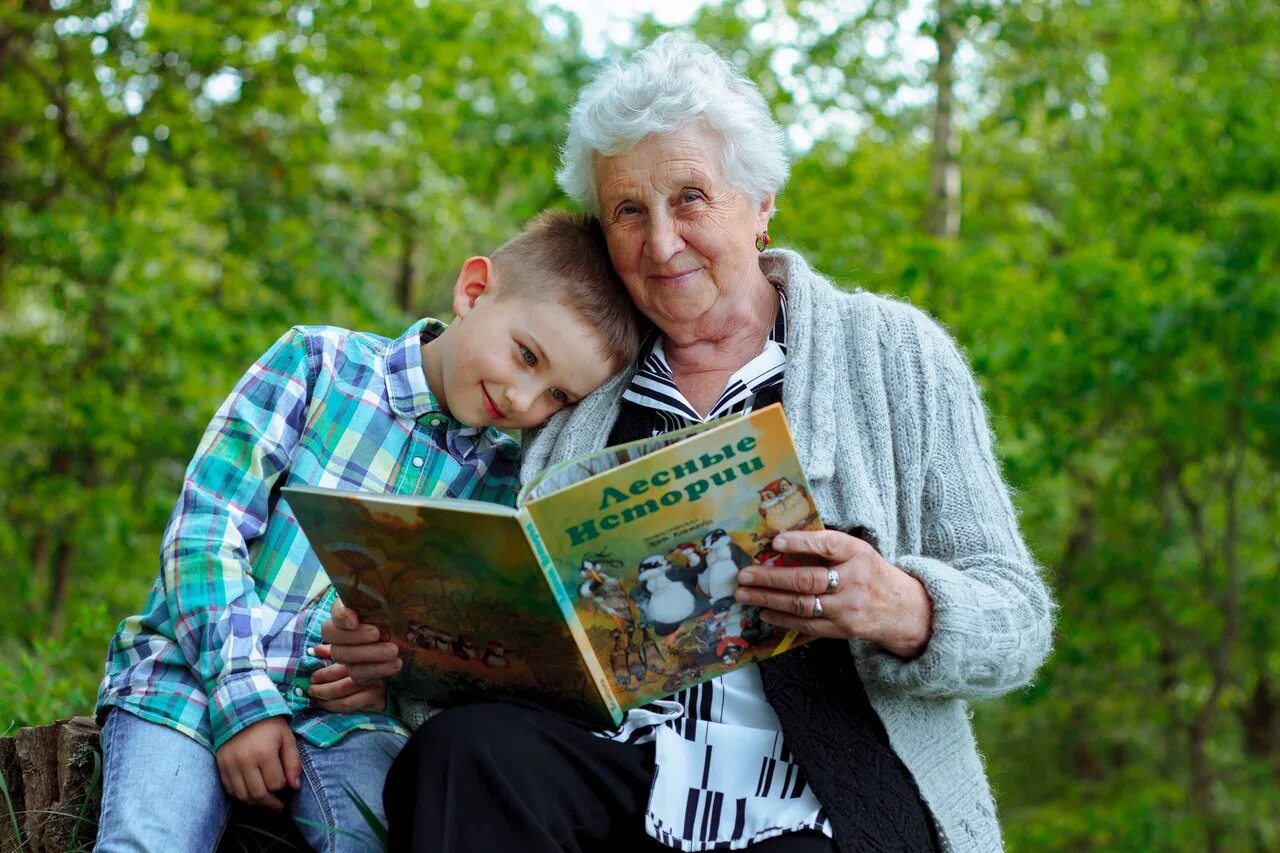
[{"x": 893, "y": 435}]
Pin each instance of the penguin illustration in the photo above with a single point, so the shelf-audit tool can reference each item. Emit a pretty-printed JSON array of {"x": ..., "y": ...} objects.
[
  {"x": 618, "y": 660},
  {"x": 444, "y": 641},
  {"x": 724, "y": 559},
  {"x": 650, "y": 653},
  {"x": 464, "y": 647},
  {"x": 494, "y": 654},
  {"x": 635, "y": 660},
  {"x": 420, "y": 634},
  {"x": 668, "y": 599}
]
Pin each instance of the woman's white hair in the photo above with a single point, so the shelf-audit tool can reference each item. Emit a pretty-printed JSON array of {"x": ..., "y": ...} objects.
[{"x": 670, "y": 83}]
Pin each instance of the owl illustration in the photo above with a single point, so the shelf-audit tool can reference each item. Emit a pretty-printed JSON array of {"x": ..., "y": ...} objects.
[{"x": 784, "y": 505}]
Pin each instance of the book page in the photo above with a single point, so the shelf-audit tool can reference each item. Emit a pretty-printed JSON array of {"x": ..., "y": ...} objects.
[{"x": 456, "y": 587}]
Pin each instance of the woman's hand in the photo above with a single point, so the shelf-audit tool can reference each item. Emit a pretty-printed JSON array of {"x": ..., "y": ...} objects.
[
  {"x": 860, "y": 597},
  {"x": 334, "y": 690},
  {"x": 356, "y": 646}
]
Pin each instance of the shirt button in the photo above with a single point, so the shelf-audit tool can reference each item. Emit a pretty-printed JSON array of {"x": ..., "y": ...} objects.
[
  {"x": 435, "y": 421},
  {"x": 298, "y": 691},
  {"x": 417, "y": 462}
]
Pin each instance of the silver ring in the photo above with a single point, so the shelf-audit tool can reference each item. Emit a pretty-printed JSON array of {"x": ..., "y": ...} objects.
[
  {"x": 833, "y": 580},
  {"x": 817, "y": 607}
]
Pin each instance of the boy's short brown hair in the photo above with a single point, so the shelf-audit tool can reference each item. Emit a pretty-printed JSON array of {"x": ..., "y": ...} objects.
[{"x": 563, "y": 256}]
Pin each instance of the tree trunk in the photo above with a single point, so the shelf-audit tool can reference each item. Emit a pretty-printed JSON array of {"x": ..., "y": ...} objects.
[
  {"x": 943, "y": 216},
  {"x": 404, "y": 277},
  {"x": 1220, "y": 663}
]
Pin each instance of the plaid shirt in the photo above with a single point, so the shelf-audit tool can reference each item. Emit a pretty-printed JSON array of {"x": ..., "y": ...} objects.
[{"x": 225, "y": 638}]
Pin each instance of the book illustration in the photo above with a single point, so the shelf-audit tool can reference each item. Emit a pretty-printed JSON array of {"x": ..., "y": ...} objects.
[{"x": 456, "y": 593}]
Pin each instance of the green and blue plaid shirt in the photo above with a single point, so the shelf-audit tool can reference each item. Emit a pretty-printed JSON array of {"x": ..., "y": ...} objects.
[{"x": 225, "y": 638}]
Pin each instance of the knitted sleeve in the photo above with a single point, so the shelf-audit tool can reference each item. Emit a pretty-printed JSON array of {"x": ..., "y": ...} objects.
[{"x": 992, "y": 613}]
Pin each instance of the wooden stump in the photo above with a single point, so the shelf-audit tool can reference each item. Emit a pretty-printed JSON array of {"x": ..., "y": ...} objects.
[
  {"x": 53, "y": 777},
  {"x": 53, "y": 780}
]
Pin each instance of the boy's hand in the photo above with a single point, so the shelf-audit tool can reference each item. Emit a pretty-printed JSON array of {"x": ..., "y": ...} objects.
[
  {"x": 368, "y": 661},
  {"x": 258, "y": 760},
  {"x": 334, "y": 690}
]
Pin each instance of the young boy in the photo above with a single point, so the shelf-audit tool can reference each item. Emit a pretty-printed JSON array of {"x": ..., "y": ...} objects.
[{"x": 206, "y": 691}]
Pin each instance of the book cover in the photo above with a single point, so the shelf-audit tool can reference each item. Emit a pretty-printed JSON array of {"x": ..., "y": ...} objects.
[
  {"x": 650, "y": 552},
  {"x": 611, "y": 586}
]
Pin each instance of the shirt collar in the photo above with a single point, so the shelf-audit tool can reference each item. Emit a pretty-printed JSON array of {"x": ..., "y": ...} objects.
[{"x": 407, "y": 388}]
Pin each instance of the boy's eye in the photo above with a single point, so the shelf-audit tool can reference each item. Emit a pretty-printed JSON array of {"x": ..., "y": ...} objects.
[
  {"x": 559, "y": 396},
  {"x": 527, "y": 356}
]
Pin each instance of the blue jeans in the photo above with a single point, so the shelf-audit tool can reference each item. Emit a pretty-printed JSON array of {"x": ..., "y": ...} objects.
[{"x": 161, "y": 790}]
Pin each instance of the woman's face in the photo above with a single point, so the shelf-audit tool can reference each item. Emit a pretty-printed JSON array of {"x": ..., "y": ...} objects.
[{"x": 680, "y": 236}]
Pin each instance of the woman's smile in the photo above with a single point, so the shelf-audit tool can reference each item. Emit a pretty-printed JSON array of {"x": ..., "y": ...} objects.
[{"x": 674, "y": 279}]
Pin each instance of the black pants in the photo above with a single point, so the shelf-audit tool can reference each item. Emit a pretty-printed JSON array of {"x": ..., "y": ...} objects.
[{"x": 499, "y": 777}]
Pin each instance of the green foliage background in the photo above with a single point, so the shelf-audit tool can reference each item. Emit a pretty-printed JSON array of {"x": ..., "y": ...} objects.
[{"x": 179, "y": 182}]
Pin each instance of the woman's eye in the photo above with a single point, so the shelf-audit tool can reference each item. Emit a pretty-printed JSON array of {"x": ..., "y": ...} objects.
[
  {"x": 559, "y": 396},
  {"x": 527, "y": 356},
  {"x": 690, "y": 195},
  {"x": 628, "y": 210}
]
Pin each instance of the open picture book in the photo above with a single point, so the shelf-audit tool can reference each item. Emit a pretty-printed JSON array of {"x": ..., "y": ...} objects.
[{"x": 610, "y": 585}]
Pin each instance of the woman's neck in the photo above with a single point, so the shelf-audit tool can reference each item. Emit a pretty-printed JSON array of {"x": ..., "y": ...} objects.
[{"x": 703, "y": 357}]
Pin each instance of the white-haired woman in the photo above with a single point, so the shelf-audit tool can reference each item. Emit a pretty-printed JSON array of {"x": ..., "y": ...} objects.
[{"x": 858, "y": 742}]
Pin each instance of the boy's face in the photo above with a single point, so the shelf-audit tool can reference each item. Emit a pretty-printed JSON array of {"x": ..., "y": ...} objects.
[{"x": 514, "y": 362}]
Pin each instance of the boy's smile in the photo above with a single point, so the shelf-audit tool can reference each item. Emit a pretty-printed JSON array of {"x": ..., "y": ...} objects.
[
  {"x": 513, "y": 362},
  {"x": 492, "y": 408}
]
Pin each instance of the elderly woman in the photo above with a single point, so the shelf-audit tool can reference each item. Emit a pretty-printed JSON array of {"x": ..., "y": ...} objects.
[{"x": 857, "y": 742}]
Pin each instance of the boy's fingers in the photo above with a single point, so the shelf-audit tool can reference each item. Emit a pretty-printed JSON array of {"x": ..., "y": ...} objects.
[
  {"x": 257, "y": 791},
  {"x": 344, "y": 617},
  {"x": 322, "y": 651},
  {"x": 237, "y": 787},
  {"x": 291, "y": 763},
  {"x": 367, "y": 653},
  {"x": 330, "y": 674},
  {"x": 370, "y": 674},
  {"x": 341, "y": 688},
  {"x": 272, "y": 772},
  {"x": 366, "y": 699}
]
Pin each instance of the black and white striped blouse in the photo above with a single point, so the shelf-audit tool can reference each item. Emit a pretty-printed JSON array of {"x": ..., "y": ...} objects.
[{"x": 724, "y": 778}]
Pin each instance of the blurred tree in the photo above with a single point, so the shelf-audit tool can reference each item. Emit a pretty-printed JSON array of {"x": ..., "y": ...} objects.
[{"x": 179, "y": 182}]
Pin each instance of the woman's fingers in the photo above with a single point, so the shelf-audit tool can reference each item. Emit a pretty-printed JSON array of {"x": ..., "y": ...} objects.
[
  {"x": 804, "y": 580},
  {"x": 793, "y": 603},
  {"x": 833, "y": 546}
]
